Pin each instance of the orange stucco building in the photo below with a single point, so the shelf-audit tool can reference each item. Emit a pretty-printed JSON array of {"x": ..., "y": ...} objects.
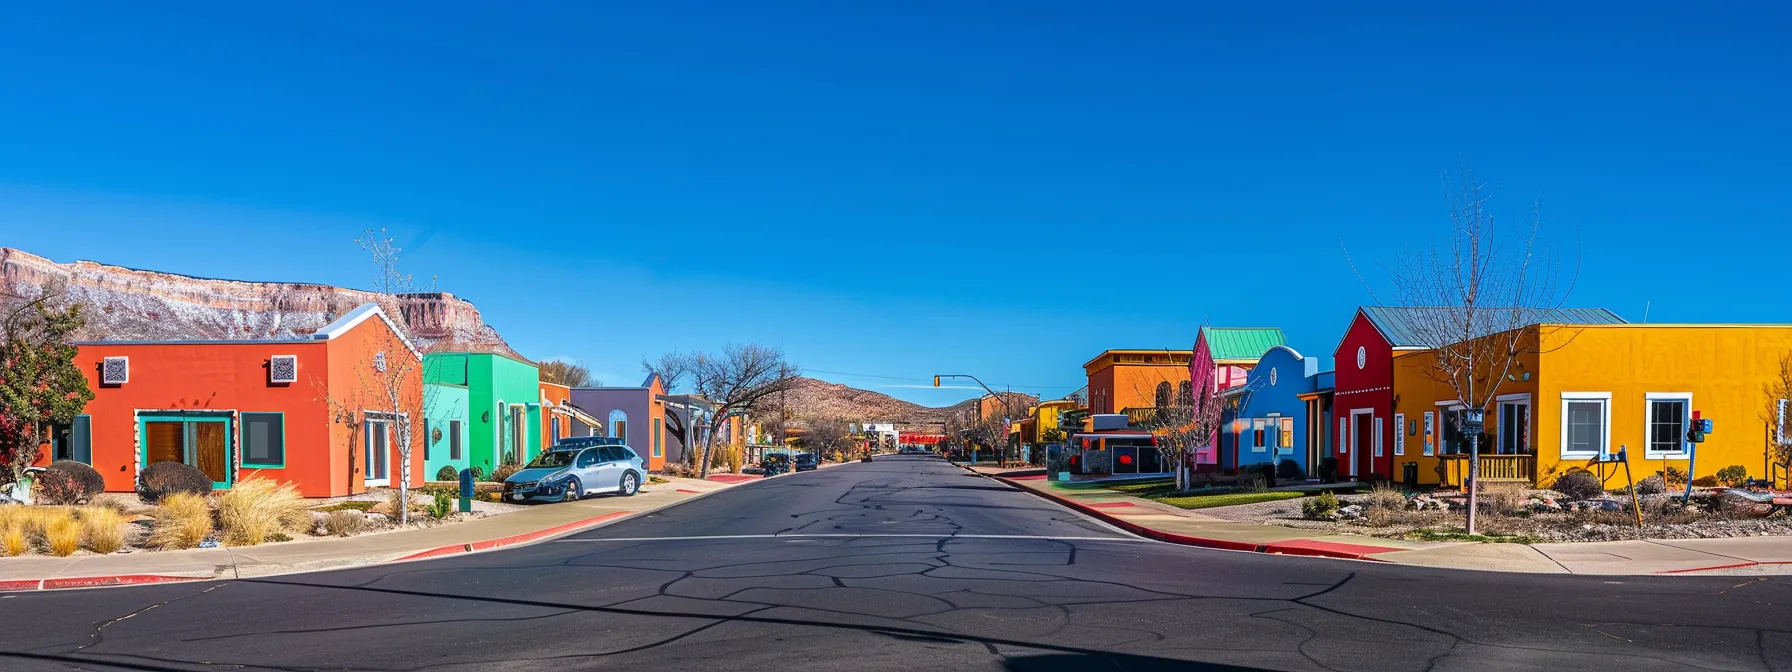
[
  {"x": 1122, "y": 379},
  {"x": 309, "y": 411}
]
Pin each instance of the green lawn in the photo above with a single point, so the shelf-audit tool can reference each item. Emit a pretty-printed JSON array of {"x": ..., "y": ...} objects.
[{"x": 1233, "y": 499}]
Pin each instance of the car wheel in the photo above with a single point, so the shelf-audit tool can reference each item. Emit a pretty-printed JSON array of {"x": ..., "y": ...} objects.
[
  {"x": 574, "y": 491},
  {"x": 631, "y": 484}
]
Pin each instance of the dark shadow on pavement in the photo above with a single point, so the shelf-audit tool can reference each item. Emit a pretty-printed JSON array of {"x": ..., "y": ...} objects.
[{"x": 1082, "y": 662}]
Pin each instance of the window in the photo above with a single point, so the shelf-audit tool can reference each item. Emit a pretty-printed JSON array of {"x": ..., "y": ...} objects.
[
  {"x": 1376, "y": 440},
  {"x": 73, "y": 441},
  {"x": 1163, "y": 394},
  {"x": 1783, "y": 415},
  {"x": 264, "y": 440},
  {"x": 375, "y": 448},
  {"x": 1343, "y": 435},
  {"x": 628, "y": 453},
  {"x": 1257, "y": 431},
  {"x": 658, "y": 451},
  {"x": 198, "y": 440},
  {"x": 1287, "y": 435},
  {"x": 453, "y": 439},
  {"x": 1585, "y": 419},
  {"x": 1668, "y": 417},
  {"x": 1515, "y": 428},
  {"x": 588, "y": 458},
  {"x": 426, "y": 439},
  {"x": 1430, "y": 433},
  {"x": 619, "y": 425},
  {"x": 556, "y": 430},
  {"x": 1399, "y": 434},
  {"x": 610, "y": 453}
]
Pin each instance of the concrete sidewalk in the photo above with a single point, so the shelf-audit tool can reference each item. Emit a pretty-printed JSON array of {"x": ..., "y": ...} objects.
[
  {"x": 1745, "y": 555},
  {"x": 536, "y": 522}
]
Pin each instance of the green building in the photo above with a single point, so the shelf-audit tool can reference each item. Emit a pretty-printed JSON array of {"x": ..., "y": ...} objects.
[
  {"x": 502, "y": 408},
  {"x": 445, "y": 420}
]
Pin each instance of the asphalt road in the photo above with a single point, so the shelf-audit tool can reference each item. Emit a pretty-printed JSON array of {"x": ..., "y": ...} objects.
[{"x": 901, "y": 564}]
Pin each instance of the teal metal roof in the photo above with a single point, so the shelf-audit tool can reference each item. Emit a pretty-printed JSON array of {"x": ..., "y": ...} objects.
[
  {"x": 1241, "y": 343},
  {"x": 1400, "y": 325}
]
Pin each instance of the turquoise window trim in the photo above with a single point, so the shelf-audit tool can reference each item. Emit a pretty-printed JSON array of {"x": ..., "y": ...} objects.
[
  {"x": 243, "y": 441},
  {"x": 230, "y": 448}
]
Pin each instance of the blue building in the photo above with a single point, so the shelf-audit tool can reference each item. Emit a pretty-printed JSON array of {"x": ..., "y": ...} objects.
[{"x": 1270, "y": 417}]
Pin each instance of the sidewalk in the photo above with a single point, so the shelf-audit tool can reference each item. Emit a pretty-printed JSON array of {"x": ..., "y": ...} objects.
[
  {"x": 1156, "y": 520},
  {"x": 536, "y": 522}
]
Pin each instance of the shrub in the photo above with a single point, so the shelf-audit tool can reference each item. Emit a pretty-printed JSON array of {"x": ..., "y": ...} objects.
[
  {"x": 1319, "y": 507},
  {"x": 1503, "y": 499},
  {"x": 1653, "y": 485},
  {"x": 676, "y": 469},
  {"x": 1674, "y": 475},
  {"x": 1705, "y": 481},
  {"x": 1255, "y": 483},
  {"x": 1328, "y": 470},
  {"x": 1579, "y": 484},
  {"x": 12, "y": 538},
  {"x": 69, "y": 482},
  {"x": 1264, "y": 469},
  {"x": 1384, "y": 496},
  {"x": 443, "y": 506},
  {"x": 505, "y": 472},
  {"x": 162, "y": 479},
  {"x": 478, "y": 473},
  {"x": 1289, "y": 470},
  {"x": 182, "y": 520},
  {"x": 104, "y": 528},
  {"x": 257, "y": 509},
  {"x": 62, "y": 535},
  {"x": 1375, "y": 478},
  {"x": 447, "y": 473},
  {"x": 345, "y": 522},
  {"x": 1733, "y": 475}
]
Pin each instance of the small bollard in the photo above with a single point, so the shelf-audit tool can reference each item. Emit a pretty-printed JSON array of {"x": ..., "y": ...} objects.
[{"x": 466, "y": 491}]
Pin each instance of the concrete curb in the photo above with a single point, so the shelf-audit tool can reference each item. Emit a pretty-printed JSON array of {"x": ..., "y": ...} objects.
[
  {"x": 1717, "y": 568},
  {"x": 1303, "y": 547},
  {"x": 474, "y": 546},
  {"x": 94, "y": 582}
]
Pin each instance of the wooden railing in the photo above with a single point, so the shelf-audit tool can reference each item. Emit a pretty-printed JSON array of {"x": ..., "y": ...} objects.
[{"x": 1494, "y": 469}]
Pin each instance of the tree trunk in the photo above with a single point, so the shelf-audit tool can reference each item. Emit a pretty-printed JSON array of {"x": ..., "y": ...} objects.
[
  {"x": 709, "y": 439},
  {"x": 1474, "y": 477}
]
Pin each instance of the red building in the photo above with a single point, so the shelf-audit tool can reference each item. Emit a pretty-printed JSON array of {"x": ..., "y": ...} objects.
[{"x": 312, "y": 411}]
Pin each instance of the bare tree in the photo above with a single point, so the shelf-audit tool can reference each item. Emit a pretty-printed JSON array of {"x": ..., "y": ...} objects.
[
  {"x": 1469, "y": 301},
  {"x": 1778, "y": 416},
  {"x": 391, "y": 386},
  {"x": 570, "y": 374},
  {"x": 736, "y": 381},
  {"x": 827, "y": 434}
]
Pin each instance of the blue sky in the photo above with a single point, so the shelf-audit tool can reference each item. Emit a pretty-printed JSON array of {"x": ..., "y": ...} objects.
[{"x": 891, "y": 190}]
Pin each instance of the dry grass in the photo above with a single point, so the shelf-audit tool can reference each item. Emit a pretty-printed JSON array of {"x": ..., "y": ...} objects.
[
  {"x": 1502, "y": 499},
  {"x": 1385, "y": 497},
  {"x": 62, "y": 536},
  {"x": 183, "y": 519},
  {"x": 256, "y": 509},
  {"x": 13, "y": 539},
  {"x": 345, "y": 522},
  {"x": 104, "y": 527}
]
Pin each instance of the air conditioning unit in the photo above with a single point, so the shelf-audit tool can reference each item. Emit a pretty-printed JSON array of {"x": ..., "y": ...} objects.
[
  {"x": 115, "y": 371},
  {"x": 283, "y": 369}
]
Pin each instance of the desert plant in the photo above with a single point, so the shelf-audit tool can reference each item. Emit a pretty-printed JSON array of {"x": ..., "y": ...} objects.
[
  {"x": 257, "y": 509},
  {"x": 1733, "y": 475},
  {"x": 182, "y": 520},
  {"x": 1256, "y": 483},
  {"x": 62, "y": 535},
  {"x": 104, "y": 529},
  {"x": 1384, "y": 496},
  {"x": 1579, "y": 484},
  {"x": 442, "y": 506},
  {"x": 1328, "y": 470},
  {"x": 1674, "y": 476},
  {"x": 13, "y": 539},
  {"x": 447, "y": 473},
  {"x": 345, "y": 522},
  {"x": 1504, "y": 499},
  {"x": 68, "y": 482},
  {"x": 1288, "y": 470},
  {"x": 1652, "y": 485},
  {"x": 162, "y": 479},
  {"x": 1319, "y": 507},
  {"x": 1264, "y": 469}
]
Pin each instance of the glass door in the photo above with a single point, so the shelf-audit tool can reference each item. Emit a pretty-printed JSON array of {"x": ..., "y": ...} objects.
[{"x": 198, "y": 441}]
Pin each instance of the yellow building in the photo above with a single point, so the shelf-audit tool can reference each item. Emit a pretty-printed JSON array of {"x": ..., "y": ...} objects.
[
  {"x": 1582, "y": 391},
  {"x": 1045, "y": 418}
]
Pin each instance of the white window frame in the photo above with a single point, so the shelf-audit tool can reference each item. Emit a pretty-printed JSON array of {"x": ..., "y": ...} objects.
[
  {"x": 1399, "y": 434},
  {"x": 1649, "y": 399},
  {"x": 1430, "y": 433},
  {"x": 1259, "y": 427},
  {"x": 1376, "y": 441},
  {"x": 1605, "y": 446},
  {"x": 1520, "y": 399}
]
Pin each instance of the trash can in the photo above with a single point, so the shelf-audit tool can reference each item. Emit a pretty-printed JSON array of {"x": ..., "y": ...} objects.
[{"x": 1409, "y": 475}]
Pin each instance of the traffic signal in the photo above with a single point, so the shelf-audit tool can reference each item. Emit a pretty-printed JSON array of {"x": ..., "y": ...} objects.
[{"x": 936, "y": 381}]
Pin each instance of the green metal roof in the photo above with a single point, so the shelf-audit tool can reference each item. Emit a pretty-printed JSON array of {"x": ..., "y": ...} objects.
[{"x": 1241, "y": 343}]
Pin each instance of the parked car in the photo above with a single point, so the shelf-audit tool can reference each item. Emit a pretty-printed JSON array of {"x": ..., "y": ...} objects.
[
  {"x": 572, "y": 442},
  {"x": 805, "y": 462},
  {"x": 566, "y": 474},
  {"x": 774, "y": 464}
]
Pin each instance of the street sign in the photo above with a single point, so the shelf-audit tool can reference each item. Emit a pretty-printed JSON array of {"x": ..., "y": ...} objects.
[{"x": 1705, "y": 425}]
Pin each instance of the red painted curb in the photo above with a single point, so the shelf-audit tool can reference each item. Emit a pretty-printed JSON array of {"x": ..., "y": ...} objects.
[
  {"x": 1714, "y": 568},
  {"x": 13, "y": 586},
  {"x": 1305, "y": 547},
  {"x": 121, "y": 580},
  {"x": 514, "y": 539},
  {"x": 688, "y": 492}
]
